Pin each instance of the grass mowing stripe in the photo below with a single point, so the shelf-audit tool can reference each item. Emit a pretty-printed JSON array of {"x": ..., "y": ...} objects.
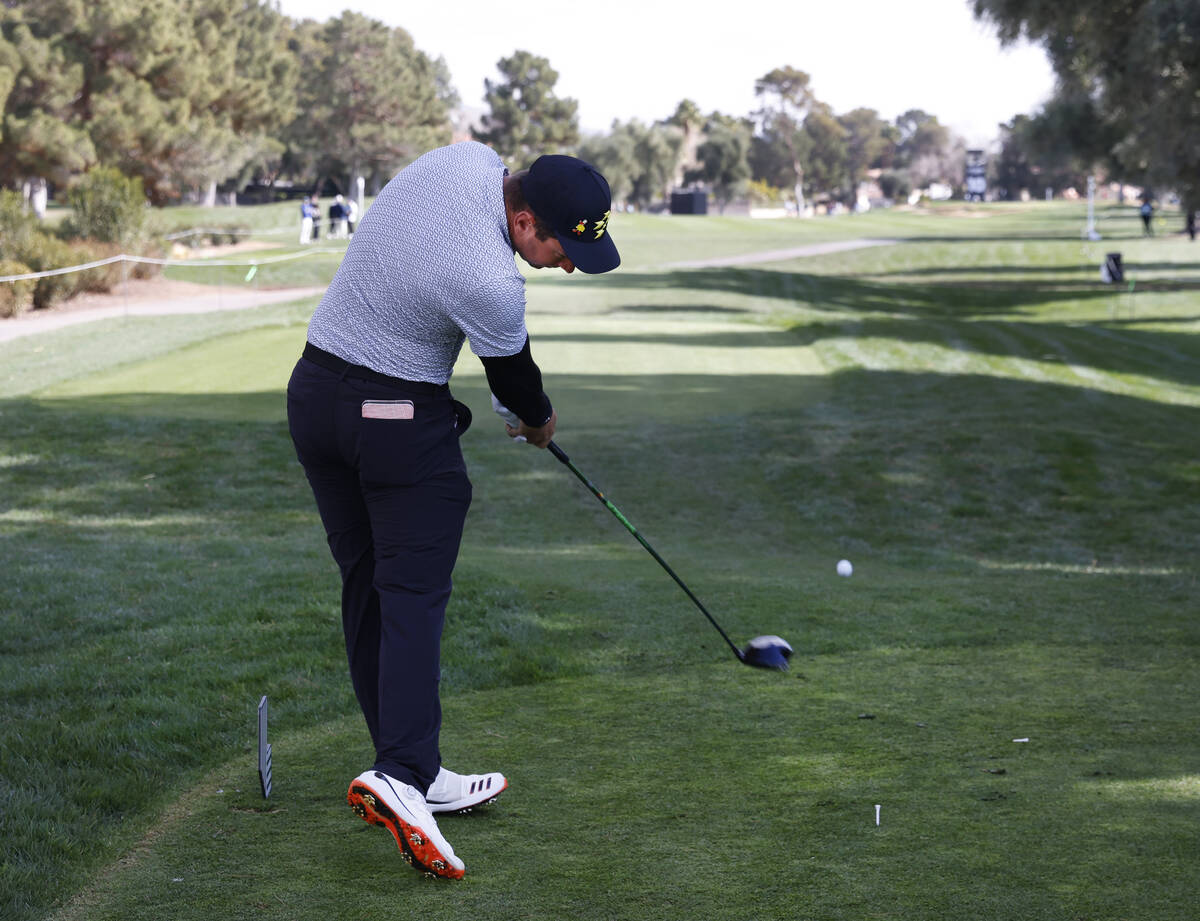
[
  {"x": 1159, "y": 347},
  {"x": 254, "y": 361},
  {"x": 50, "y": 359}
]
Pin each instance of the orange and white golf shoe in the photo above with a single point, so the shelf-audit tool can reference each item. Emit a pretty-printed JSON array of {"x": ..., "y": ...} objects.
[{"x": 401, "y": 809}]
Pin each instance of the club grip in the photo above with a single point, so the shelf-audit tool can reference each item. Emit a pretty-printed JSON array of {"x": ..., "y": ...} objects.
[{"x": 558, "y": 452}]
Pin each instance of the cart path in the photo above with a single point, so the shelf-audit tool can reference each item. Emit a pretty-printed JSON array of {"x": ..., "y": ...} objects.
[{"x": 779, "y": 255}]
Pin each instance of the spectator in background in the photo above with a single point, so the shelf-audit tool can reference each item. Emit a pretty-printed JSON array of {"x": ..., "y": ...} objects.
[
  {"x": 1147, "y": 217},
  {"x": 306, "y": 221},
  {"x": 352, "y": 215},
  {"x": 316, "y": 217},
  {"x": 337, "y": 219}
]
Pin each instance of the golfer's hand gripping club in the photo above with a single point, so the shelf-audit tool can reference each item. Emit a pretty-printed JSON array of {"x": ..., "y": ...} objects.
[{"x": 519, "y": 431}]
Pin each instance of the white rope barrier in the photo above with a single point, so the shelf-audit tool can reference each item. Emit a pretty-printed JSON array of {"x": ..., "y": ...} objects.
[
  {"x": 147, "y": 260},
  {"x": 64, "y": 271}
]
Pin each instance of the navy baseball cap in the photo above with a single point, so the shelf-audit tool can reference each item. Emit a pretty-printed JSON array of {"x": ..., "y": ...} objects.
[{"x": 573, "y": 199}]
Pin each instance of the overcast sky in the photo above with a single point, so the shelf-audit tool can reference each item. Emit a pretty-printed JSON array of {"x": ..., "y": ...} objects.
[{"x": 624, "y": 59}]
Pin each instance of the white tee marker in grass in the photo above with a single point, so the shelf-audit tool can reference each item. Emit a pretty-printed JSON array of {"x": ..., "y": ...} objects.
[
  {"x": 844, "y": 568},
  {"x": 877, "y": 813}
]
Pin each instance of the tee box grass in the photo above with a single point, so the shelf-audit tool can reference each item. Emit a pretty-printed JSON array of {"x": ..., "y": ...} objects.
[{"x": 1003, "y": 446}]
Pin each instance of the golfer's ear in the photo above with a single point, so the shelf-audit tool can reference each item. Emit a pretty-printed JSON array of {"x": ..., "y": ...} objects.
[{"x": 524, "y": 219}]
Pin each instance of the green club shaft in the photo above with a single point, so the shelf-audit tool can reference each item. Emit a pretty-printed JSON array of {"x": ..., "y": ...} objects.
[{"x": 562, "y": 456}]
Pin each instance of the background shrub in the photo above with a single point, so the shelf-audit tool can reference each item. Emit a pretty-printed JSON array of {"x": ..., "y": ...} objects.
[
  {"x": 152, "y": 250},
  {"x": 108, "y": 206},
  {"x": 15, "y": 296},
  {"x": 102, "y": 278},
  {"x": 44, "y": 253},
  {"x": 895, "y": 185},
  {"x": 17, "y": 224},
  {"x": 214, "y": 236}
]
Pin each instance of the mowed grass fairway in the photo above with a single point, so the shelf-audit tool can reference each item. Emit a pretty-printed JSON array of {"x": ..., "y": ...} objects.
[{"x": 1004, "y": 447}]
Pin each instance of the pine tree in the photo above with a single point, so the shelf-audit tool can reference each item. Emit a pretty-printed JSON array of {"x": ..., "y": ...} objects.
[
  {"x": 42, "y": 136},
  {"x": 182, "y": 93},
  {"x": 525, "y": 118},
  {"x": 371, "y": 101}
]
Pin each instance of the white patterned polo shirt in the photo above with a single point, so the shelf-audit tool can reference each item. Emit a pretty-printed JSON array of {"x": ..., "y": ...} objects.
[{"x": 429, "y": 266}]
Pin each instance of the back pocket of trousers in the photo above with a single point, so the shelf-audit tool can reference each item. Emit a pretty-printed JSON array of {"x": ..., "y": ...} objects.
[{"x": 399, "y": 447}]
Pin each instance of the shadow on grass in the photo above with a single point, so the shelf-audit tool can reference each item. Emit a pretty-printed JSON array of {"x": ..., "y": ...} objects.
[
  {"x": 1111, "y": 235},
  {"x": 684, "y": 308},
  {"x": 1059, "y": 270},
  {"x": 986, "y": 237},
  {"x": 185, "y": 453},
  {"x": 1150, "y": 319},
  {"x": 1107, "y": 346},
  {"x": 964, "y": 300}
]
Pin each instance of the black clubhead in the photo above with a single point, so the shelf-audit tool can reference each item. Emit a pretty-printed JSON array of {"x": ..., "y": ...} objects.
[{"x": 767, "y": 652}]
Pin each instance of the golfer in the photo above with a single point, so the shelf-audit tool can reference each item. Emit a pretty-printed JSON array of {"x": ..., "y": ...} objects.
[{"x": 376, "y": 430}]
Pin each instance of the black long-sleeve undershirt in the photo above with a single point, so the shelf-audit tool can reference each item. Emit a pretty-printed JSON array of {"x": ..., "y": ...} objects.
[{"x": 517, "y": 383}]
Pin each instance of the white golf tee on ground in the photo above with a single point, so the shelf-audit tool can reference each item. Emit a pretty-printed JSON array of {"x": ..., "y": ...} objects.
[{"x": 877, "y": 813}]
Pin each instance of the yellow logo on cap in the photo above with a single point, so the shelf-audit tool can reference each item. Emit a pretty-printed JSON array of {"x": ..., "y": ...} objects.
[
  {"x": 580, "y": 227},
  {"x": 601, "y": 225}
]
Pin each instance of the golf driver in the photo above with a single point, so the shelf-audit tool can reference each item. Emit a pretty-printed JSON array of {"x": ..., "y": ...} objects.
[{"x": 761, "y": 652}]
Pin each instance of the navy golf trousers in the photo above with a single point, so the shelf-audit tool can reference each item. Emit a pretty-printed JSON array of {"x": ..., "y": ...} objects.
[{"x": 383, "y": 460}]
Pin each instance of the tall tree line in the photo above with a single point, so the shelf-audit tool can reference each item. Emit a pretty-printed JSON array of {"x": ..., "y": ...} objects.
[
  {"x": 794, "y": 145},
  {"x": 190, "y": 96}
]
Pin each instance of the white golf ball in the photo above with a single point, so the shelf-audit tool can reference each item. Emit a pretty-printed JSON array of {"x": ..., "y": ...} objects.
[{"x": 844, "y": 568}]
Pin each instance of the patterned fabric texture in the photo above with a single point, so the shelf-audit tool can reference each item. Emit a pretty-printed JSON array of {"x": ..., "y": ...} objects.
[{"x": 430, "y": 266}]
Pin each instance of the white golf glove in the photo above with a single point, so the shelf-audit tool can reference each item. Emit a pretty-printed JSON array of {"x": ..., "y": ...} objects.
[{"x": 507, "y": 415}]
